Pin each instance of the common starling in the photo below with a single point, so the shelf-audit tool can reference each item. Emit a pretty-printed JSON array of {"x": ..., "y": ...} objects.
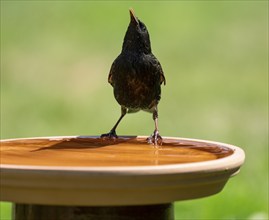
[{"x": 136, "y": 76}]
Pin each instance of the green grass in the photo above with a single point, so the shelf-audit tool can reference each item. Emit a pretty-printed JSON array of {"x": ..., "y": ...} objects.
[
  {"x": 5, "y": 211},
  {"x": 55, "y": 57}
]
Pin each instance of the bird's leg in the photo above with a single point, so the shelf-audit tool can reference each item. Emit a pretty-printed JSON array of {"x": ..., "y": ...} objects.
[
  {"x": 112, "y": 134},
  {"x": 155, "y": 138}
]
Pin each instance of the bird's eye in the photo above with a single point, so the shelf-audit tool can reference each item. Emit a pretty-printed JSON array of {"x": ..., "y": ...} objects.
[{"x": 142, "y": 26}]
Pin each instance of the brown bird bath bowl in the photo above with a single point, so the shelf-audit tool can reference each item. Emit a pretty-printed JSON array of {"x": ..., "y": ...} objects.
[{"x": 64, "y": 178}]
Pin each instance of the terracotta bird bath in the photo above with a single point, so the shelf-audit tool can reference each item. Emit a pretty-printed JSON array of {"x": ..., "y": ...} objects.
[{"x": 79, "y": 177}]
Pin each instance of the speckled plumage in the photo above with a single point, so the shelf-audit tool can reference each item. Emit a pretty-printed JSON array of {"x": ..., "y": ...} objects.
[{"x": 136, "y": 79}]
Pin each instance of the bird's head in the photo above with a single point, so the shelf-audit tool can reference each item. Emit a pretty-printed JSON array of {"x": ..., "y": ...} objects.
[{"x": 137, "y": 37}]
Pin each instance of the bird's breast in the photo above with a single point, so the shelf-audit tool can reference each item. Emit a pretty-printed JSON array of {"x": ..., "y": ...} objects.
[{"x": 137, "y": 89}]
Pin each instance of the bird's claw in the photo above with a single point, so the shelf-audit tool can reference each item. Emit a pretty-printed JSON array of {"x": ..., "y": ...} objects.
[
  {"x": 109, "y": 136},
  {"x": 155, "y": 139}
]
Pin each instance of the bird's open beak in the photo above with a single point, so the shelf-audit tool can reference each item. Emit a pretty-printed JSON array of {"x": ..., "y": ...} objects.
[{"x": 134, "y": 19}]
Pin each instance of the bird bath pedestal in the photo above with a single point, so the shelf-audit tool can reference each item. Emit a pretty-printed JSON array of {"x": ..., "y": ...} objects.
[{"x": 64, "y": 178}]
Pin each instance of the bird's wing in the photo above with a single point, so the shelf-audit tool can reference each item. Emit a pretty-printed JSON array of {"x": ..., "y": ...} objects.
[
  {"x": 159, "y": 70},
  {"x": 110, "y": 75},
  {"x": 163, "y": 80},
  {"x": 114, "y": 69}
]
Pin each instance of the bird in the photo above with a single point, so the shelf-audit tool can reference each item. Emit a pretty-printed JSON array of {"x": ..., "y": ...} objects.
[{"x": 136, "y": 76}]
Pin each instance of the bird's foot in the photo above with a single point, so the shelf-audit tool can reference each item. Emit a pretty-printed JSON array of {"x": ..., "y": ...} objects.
[
  {"x": 109, "y": 136},
  {"x": 155, "y": 139}
]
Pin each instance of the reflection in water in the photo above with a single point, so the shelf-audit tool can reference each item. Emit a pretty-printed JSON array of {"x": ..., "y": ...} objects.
[{"x": 88, "y": 142}]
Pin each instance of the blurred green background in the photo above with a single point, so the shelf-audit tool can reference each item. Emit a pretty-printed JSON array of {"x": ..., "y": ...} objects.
[{"x": 55, "y": 59}]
